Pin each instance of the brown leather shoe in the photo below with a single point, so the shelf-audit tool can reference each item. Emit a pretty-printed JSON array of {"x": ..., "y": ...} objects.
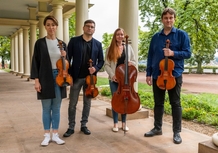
[{"x": 153, "y": 132}]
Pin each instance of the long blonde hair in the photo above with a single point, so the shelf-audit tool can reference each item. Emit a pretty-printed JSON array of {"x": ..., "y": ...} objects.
[{"x": 113, "y": 50}]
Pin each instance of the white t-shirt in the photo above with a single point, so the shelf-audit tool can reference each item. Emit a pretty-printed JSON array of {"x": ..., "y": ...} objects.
[{"x": 54, "y": 51}]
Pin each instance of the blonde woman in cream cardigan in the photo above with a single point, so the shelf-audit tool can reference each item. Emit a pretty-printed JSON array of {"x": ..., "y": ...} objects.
[{"x": 115, "y": 55}]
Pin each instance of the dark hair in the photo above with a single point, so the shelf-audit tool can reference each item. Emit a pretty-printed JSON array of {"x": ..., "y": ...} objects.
[
  {"x": 89, "y": 21},
  {"x": 50, "y": 17},
  {"x": 168, "y": 10}
]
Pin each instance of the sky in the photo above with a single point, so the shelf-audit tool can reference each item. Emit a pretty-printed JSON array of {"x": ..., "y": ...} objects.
[{"x": 105, "y": 14}]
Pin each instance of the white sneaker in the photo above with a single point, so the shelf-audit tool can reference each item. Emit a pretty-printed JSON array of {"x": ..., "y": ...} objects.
[
  {"x": 46, "y": 140},
  {"x": 115, "y": 129},
  {"x": 125, "y": 128},
  {"x": 55, "y": 138}
]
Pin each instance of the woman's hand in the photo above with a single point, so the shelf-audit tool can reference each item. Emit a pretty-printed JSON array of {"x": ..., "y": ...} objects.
[
  {"x": 114, "y": 79},
  {"x": 63, "y": 53},
  {"x": 37, "y": 85},
  {"x": 130, "y": 63}
]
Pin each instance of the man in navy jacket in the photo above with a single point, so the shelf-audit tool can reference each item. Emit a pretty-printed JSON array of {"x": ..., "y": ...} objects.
[{"x": 80, "y": 50}]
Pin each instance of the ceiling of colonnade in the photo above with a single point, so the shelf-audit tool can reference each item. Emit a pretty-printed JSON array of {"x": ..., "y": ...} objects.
[{"x": 15, "y": 13}]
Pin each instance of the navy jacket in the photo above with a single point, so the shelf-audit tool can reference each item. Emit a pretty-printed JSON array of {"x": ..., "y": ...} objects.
[{"x": 75, "y": 52}]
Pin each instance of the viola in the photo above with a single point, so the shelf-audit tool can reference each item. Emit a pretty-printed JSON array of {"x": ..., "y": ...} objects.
[
  {"x": 63, "y": 78},
  {"x": 125, "y": 100},
  {"x": 91, "y": 90},
  {"x": 166, "y": 80}
]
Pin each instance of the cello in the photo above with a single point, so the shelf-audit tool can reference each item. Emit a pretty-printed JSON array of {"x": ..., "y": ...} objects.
[
  {"x": 91, "y": 90},
  {"x": 125, "y": 100},
  {"x": 63, "y": 78},
  {"x": 166, "y": 80}
]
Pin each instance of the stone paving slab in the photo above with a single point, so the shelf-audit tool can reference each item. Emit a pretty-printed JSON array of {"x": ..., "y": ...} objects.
[{"x": 21, "y": 129}]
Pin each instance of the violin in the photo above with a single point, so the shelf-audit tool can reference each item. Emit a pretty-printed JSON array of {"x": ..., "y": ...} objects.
[
  {"x": 166, "y": 80},
  {"x": 125, "y": 100},
  {"x": 91, "y": 90},
  {"x": 63, "y": 78}
]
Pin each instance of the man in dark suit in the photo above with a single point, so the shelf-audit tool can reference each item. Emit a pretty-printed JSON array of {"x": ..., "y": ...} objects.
[{"x": 80, "y": 50}]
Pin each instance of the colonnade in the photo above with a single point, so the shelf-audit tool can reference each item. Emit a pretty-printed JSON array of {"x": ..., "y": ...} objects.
[{"x": 23, "y": 40}]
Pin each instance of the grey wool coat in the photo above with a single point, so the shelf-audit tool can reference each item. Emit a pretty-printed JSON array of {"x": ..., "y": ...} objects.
[{"x": 41, "y": 68}]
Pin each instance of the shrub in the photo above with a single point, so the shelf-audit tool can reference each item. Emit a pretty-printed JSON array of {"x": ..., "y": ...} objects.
[{"x": 105, "y": 91}]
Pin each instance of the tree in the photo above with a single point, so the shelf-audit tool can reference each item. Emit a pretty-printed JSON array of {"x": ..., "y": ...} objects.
[
  {"x": 72, "y": 25},
  {"x": 4, "y": 49},
  {"x": 106, "y": 40},
  {"x": 143, "y": 43},
  {"x": 196, "y": 17}
]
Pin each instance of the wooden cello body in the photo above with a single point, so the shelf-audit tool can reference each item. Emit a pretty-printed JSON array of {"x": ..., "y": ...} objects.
[
  {"x": 125, "y": 100},
  {"x": 166, "y": 80}
]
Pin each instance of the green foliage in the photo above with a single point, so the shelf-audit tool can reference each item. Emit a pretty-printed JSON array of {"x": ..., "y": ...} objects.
[
  {"x": 146, "y": 99},
  {"x": 202, "y": 108},
  {"x": 105, "y": 91},
  {"x": 141, "y": 68},
  {"x": 5, "y": 50},
  {"x": 102, "y": 81},
  {"x": 106, "y": 40},
  {"x": 197, "y": 18},
  {"x": 72, "y": 25}
]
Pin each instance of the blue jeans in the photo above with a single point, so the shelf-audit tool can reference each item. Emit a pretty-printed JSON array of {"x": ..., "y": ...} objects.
[
  {"x": 113, "y": 87},
  {"x": 74, "y": 95},
  {"x": 51, "y": 108}
]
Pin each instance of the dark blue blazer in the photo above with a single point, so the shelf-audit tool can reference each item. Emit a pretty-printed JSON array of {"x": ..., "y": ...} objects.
[{"x": 75, "y": 52}]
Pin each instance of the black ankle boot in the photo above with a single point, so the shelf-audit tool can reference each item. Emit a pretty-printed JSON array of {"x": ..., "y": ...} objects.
[{"x": 176, "y": 138}]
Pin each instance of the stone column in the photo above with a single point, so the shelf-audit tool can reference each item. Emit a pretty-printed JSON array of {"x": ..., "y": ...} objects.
[
  {"x": 20, "y": 52},
  {"x": 33, "y": 26},
  {"x": 66, "y": 28},
  {"x": 26, "y": 55},
  {"x": 12, "y": 54},
  {"x": 57, "y": 6},
  {"x": 128, "y": 20},
  {"x": 42, "y": 31},
  {"x": 42, "y": 13},
  {"x": 81, "y": 15},
  {"x": 16, "y": 52}
]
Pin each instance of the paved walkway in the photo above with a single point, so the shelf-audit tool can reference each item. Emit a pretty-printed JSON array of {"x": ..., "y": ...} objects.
[{"x": 21, "y": 128}]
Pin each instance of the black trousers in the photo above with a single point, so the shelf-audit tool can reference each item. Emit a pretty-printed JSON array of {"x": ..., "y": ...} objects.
[{"x": 174, "y": 98}]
